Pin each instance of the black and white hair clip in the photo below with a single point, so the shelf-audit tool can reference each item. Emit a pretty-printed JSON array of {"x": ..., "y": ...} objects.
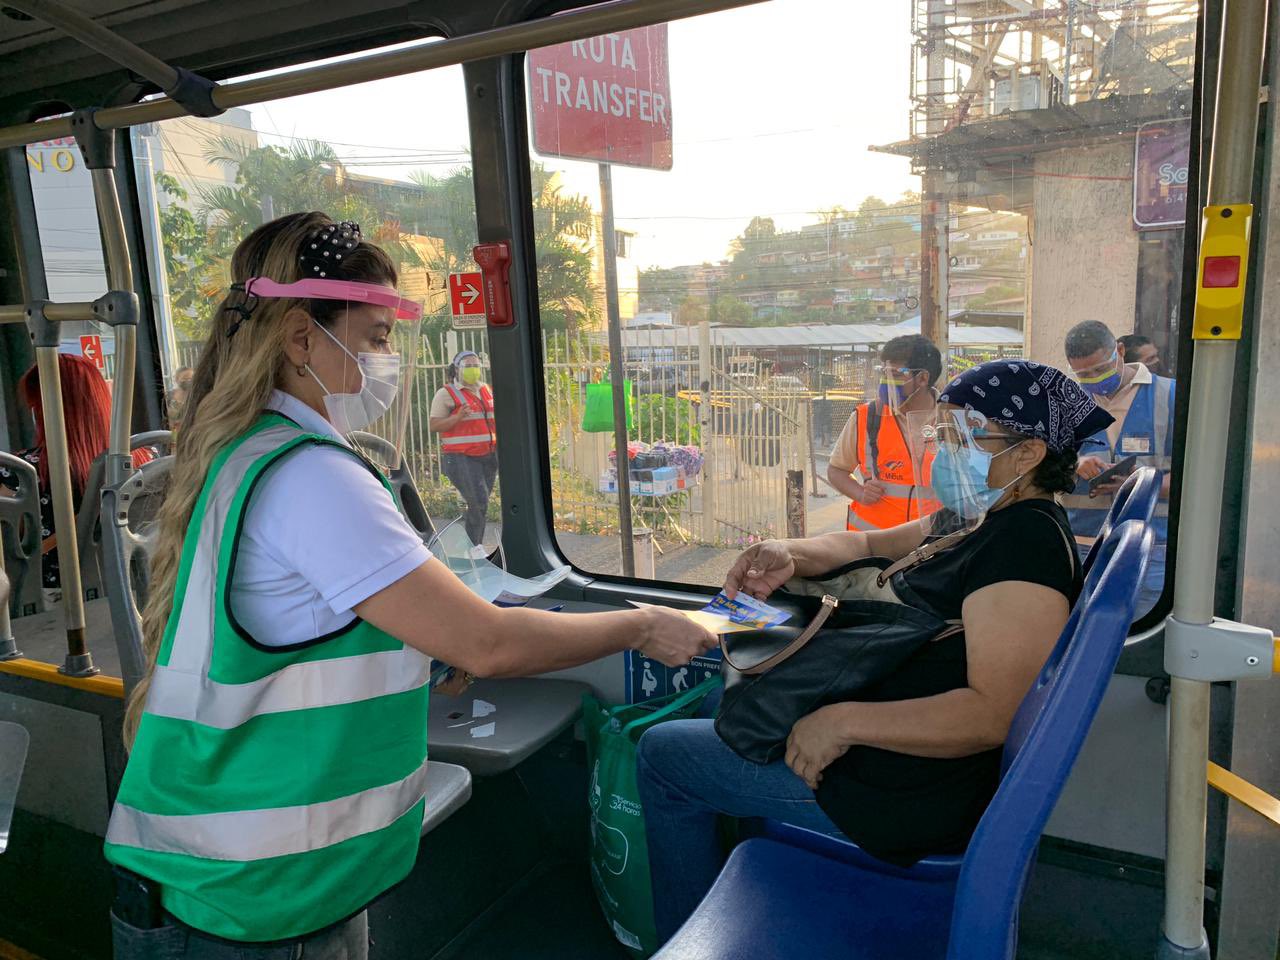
[{"x": 323, "y": 253}]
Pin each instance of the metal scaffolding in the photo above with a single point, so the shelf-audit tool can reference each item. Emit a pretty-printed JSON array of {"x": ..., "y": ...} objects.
[{"x": 976, "y": 59}]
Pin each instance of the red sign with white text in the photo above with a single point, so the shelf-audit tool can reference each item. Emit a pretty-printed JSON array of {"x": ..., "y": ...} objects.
[
  {"x": 91, "y": 347},
  {"x": 606, "y": 99},
  {"x": 466, "y": 294}
]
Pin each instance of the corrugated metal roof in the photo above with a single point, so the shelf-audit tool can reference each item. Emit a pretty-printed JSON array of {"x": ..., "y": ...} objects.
[{"x": 843, "y": 336}]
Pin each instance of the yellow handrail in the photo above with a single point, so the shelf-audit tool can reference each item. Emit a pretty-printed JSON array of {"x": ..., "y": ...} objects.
[{"x": 1238, "y": 788}]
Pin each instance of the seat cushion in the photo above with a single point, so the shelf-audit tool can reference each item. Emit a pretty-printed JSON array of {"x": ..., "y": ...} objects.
[
  {"x": 774, "y": 900},
  {"x": 448, "y": 788},
  {"x": 496, "y": 724}
]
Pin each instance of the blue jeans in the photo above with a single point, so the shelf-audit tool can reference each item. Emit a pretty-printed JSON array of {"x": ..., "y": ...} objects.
[{"x": 687, "y": 777}]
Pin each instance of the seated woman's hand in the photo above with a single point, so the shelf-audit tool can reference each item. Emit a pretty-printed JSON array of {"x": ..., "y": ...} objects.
[
  {"x": 672, "y": 638},
  {"x": 814, "y": 744},
  {"x": 760, "y": 570}
]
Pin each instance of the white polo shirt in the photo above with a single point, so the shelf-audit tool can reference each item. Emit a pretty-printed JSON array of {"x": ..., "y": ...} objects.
[{"x": 321, "y": 535}]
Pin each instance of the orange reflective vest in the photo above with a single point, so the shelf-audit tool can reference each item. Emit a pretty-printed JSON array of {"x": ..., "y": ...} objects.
[
  {"x": 473, "y": 436},
  {"x": 905, "y": 497}
]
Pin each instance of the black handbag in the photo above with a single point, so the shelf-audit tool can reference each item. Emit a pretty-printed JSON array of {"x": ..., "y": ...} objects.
[{"x": 775, "y": 676}]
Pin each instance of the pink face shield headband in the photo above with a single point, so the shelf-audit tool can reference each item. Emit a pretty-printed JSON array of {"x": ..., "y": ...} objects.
[{"x": 349, "y": 290}]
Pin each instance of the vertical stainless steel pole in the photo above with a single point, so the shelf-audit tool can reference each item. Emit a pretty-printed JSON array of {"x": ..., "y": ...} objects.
[
  {"x": 79, "y": 662},
  {"x": 119, "y": 277},
  {"x": 617, "y": 371},
  {"x": 1204, "y": 464}
]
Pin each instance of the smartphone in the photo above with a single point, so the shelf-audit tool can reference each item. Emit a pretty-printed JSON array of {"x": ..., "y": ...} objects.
[
  {"x": 137, "y": 900},
  {"x": 1117, "y": 471}
]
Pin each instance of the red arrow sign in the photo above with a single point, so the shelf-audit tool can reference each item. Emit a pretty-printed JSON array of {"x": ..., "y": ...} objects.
[
  {"x": 466, "y": 296},
  {"x": 91, "y": 347}
]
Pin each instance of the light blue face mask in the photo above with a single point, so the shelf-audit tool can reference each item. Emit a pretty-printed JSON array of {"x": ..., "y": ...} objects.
[{"x": 959, "y": 480}]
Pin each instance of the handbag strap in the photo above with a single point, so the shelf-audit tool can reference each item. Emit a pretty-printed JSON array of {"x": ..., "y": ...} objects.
[
  {"x": 829, "y": 603},
  {"x": 686, "y": 698},
  {"x": 919, "y": 555},
  {"x": 922, "y": 553}
]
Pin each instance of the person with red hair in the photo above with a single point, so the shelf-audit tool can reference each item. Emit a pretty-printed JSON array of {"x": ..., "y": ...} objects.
[{"x": 86, "y": 404}]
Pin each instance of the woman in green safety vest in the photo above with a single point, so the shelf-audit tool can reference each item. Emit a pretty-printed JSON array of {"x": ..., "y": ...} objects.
[{"x": 276, "y": 777}]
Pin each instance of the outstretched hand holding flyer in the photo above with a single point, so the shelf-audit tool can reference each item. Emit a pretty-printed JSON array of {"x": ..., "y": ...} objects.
[{"x": 723, "y": 615}]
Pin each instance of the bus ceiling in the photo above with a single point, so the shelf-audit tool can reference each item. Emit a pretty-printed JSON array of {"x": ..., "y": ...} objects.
[{"x": 40, "y": 56}]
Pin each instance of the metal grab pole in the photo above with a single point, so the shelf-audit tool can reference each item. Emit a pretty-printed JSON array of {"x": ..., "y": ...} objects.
[
  {"x": 1230, "y": 181},
  {"x": 617, "y": 372},
  {"x": 79, "y": 661},
  {"x": 119, "y": 277},
  {"x": 97, "y": 37}
]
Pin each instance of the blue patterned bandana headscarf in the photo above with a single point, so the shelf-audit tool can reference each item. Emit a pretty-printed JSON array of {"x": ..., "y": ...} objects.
[{"x": 1031, "y": 399}]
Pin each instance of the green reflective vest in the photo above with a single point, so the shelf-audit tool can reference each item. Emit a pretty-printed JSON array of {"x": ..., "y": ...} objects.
[{"x": 270, "y": 792}]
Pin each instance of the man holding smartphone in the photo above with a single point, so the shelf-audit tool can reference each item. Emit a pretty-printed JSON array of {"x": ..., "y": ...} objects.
[{"x": 1142, "y": 404}]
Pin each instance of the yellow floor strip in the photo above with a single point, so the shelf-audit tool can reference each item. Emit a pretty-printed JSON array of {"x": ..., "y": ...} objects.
[
  {"x": 48, "y": 673},
  {"x": 9, "y": 951},
  {"x": 1240, "y": 789}
]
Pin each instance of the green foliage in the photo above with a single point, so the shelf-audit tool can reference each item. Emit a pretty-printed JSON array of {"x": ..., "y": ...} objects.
[
  {"x": 658, "y": 417},
  {"x": 730, "y": 311},
  {"x": 199, "y": 237},
  {"x": 185, "y": 263}
]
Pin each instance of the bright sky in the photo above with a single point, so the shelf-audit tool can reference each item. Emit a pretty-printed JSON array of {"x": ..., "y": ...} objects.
[{"x": 773, "y": 109}]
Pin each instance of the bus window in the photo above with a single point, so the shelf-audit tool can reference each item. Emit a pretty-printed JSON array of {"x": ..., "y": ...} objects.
[
  {"x": 790, "y": 202},
  {"x": 70, "y": 244},
  {"x": 206, "y": 183}
]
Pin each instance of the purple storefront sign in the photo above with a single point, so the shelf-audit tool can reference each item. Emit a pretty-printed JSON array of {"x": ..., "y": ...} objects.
[{"x": 1160, "y": 174}]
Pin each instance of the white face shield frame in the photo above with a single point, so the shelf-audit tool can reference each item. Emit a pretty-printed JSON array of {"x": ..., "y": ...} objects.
[{"x": 962, "y": 445}]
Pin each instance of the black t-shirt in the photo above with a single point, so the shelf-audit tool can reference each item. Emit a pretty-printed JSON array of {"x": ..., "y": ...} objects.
[
  {"x": 1029, "y": 541},
  {"x": 902, "y": 807}
]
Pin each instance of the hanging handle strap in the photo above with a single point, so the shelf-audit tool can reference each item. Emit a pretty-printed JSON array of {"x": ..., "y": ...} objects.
[{"x": 829, "y": 603}]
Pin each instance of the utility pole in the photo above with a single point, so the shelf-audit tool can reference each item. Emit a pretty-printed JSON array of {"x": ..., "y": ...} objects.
[
  {"x": 617, "y": 371},
  {"x": 934, "y": 212}
]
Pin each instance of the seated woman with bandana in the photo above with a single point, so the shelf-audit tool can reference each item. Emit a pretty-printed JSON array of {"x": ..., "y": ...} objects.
[{"x": 907, "y": 770}]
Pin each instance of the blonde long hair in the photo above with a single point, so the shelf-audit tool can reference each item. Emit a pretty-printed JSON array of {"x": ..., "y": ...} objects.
[{"x": 241, "y": 363}]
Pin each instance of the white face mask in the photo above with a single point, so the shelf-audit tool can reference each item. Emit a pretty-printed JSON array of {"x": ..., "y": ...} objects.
[{"x": 380, "y": 381}]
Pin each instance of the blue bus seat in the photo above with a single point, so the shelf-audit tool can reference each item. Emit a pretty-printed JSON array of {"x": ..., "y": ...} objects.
[
  {"x": 448, "y": 789},
  {"x": 496, "y": 724},
  {"x": 795, "y": 893},
  {"x": 1135, "y": 500}
]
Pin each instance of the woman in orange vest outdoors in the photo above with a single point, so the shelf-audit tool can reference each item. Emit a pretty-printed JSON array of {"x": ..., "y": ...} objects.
[
  {"x": 462, "y": 413},
  {"x": 873, "y": 463}
]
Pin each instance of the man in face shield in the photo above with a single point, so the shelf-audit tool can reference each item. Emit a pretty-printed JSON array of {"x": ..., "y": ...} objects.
[
  {"x": 1141, "y": 435},
  {"x": 877, "y": 462}
]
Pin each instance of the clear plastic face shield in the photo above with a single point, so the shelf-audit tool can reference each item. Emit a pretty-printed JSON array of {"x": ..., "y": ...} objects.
[
  {"x": 898, "y": 385},
  {"x": 1100, "y": 379},
  {"x": 963, "y": 445},
  {"x": 364, "y": 353}
]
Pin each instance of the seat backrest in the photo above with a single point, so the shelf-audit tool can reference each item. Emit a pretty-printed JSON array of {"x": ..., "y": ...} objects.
[
  {"x": 1043, "y": 743},
  {"x": 401, "y": 479},
  {"x": 1135, "y": 500},
  {"x": 88, "y": 529},
  {"x": 128, "y": 542},
  {"x": 88, "y": 535},
  {"x": 20, "y": 535}
]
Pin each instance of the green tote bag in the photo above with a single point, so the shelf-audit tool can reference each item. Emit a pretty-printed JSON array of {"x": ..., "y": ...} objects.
[
  {"x": 619, "y": 851},
  {"x": 597, "y": 415}
]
